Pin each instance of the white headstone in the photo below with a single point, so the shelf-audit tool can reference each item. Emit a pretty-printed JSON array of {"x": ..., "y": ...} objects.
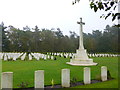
[
  {"x": 39, "y": 79},
  {"x": 61, "y": 54},
  {"x": 52, "y": 57},
  {"x": 8, "y": 54},
  {"x": 87, "y": 76},
  {"x": 14, "y": 58},
  {"x": 65, "y": 78},
  {"x": 36, "y": 56},
  {"x": 5, "y": 57},
  {"x": 48, "y": 57},
  {"x": 23, "y": 57},
  {"x": 1, "y": 55},
  {"x": 30, "y": 57},
  {"x": 104, "y": 73},
  {"x": 45, "y": 57},
  {"x": 7, "y": 80}
]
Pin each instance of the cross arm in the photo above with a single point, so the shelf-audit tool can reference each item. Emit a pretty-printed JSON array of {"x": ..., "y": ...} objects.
[{"x": 81, "y": 23}]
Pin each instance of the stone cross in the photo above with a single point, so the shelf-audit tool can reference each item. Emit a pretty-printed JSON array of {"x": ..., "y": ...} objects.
[{"x": 81, "y": 34}]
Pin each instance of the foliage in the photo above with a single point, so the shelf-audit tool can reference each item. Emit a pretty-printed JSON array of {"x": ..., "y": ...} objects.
[
  {"x": 109, "y": 75},
  {"x": 45, "y": 40},
  {"x": 5, "y": 41},
  {"x": 106, "y": 5},
  {"x": 23, "y": 85},
  {"x": 73, "y": 80}
]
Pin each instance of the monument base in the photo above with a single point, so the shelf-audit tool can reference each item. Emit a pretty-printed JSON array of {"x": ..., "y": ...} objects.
[
  {"x": 79, "y": 63},
  {"x": 81, "y": 59}
]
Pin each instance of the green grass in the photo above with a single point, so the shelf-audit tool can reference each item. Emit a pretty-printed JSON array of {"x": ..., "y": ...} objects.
[
  {"x": 106, "y": 84},
  {"x": 0, "y": 70},
  {"x": 24, "y": 70}
]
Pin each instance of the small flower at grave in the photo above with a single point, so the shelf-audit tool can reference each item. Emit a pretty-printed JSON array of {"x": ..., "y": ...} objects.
[
  {"x": 73, "y": 80},
  {"x": 23, "y": 84},
  {"x": 52, "y": 82}
]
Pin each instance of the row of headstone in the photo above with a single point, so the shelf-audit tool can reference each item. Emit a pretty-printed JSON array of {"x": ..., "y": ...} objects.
[
  {"x": 39, "y": 56},
  {"x": 9, "y": 56},
  {"x": 7, "y": 77},
  {"x": 90, "y": 55},
  {"x": 103, "y": 55},
  {"x": 22, "y": 56},
  {"x": 65, "y": 55}
]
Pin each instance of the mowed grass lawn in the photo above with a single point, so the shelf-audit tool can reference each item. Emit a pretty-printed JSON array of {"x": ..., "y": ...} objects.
[{"x": 24, "y": 71}]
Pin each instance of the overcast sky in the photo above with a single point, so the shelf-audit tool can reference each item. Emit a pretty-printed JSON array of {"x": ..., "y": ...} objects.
[{"x": 51, "y": 14}]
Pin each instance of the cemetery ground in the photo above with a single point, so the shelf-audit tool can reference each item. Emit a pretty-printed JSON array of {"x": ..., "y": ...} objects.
[{"x": 23, "y": 71}]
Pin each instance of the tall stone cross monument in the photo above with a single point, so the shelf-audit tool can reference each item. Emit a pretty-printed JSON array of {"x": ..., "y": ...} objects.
[
  {"x": 81, "y": 35},
  {"x": 81, "y": 58}
]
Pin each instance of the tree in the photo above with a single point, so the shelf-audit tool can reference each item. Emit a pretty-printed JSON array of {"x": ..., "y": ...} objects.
[
  {"x": 26, "y": 28},
  {"x": 111, "y": 34},
  {"x": 109, "y": 5},
  {"x": 4, "y": 38},
  {"x": 59, "y": 40},
  {"x": 36, "y": 38},
  {"x": 47, "y": 40},
  {"x": 106, "y": 5},
  {"x": 74, "y": 41}
]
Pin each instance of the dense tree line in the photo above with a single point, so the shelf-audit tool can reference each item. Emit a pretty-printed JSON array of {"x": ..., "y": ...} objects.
[{"x": 45, "y": 40}]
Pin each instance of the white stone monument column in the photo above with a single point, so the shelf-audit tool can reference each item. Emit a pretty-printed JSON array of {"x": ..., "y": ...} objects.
[
  {"x": 81, "y": 35},
  {"x": 7, "y": 80},
  {"x": 39, "y": 79},
  {"x": 87, "y": 75},
  {"x": 65, "y": 77},
  {"x": 104, "y": 73},
  {"x": 81, "y": 58}
]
